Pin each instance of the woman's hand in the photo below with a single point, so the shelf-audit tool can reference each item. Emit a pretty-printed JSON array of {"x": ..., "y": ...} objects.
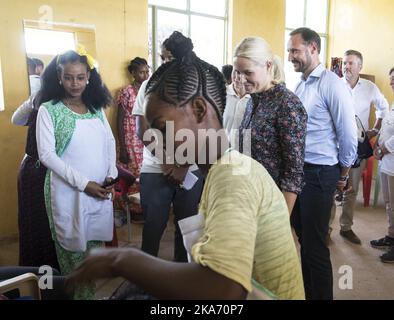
[
  {"x": 110, "y": 187},
  {"x": 94, "y": 190},
  {"x": 98, "y": 264},
  {"x": 123, "y": 156},
  {"x": 175, "y": 175}
]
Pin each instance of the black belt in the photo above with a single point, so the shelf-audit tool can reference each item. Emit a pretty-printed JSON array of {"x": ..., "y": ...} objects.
[{"x": 311, "y": 165}]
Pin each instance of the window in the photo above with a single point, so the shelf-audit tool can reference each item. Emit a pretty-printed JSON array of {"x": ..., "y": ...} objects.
[
  {"x": 305, "y": 13},
  {"x": 48, "y": 42},
  {"x": 204, "y": 21}
]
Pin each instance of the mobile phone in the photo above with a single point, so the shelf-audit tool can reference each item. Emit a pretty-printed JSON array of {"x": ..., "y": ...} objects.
[
  {"x": 110, "y": 183},
  {"x": 190, "y": 181}
]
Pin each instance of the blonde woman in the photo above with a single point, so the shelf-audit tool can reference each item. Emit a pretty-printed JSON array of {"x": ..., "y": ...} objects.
[{"x": 275, "y": 116}]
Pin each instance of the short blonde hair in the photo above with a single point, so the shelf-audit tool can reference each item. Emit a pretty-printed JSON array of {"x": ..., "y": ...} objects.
[{"x": 259, "y": 51}]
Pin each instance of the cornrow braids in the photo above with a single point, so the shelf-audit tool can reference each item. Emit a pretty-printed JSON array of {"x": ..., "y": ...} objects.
[{"x": 186, "y": 77}]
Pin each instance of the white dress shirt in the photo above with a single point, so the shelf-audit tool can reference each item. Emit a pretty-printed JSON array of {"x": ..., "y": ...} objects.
[
  {"x": 234, "y": 113},
  {"x": 366, "y": 94},
  {"x": 21, "y": 115},
  {"x": 386, "y": 138}
]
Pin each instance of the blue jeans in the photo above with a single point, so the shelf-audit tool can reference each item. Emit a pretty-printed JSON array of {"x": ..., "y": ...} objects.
[
  {"x": 157, "y": 195},
  {"x": 310, "y": 219}
]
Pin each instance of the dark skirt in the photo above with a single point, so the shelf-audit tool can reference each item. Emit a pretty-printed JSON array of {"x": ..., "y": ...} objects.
[{"x": 36, "y": 247}]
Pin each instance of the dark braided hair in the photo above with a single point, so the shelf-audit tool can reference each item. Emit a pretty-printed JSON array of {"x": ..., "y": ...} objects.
[
  {"x": 136, "y": 63},
  {"x": 96, "y": 95},
  {"x": 187, "y": 76}
]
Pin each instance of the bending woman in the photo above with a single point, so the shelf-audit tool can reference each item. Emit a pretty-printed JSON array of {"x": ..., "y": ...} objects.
[{"x": 246, "y": 234}]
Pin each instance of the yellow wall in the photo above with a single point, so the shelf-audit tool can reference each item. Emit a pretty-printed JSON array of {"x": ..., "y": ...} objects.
[
  {"x": 121, "y": 34},
  {"x": 366, "y": 26},
  {"x": 263, "y": 18}
]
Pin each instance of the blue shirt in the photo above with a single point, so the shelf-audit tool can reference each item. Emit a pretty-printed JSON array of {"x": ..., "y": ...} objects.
[{"x": 331, "y": 129}]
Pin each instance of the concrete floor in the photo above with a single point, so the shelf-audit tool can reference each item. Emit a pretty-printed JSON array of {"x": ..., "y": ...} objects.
[{"x": 371, "y": 279}]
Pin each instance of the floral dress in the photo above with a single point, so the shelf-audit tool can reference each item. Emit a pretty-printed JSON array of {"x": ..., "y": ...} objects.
[{"x": 276, "y": 120}]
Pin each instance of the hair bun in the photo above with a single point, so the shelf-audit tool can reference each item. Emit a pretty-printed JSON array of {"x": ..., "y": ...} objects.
[{"x": 179, "y": 45}]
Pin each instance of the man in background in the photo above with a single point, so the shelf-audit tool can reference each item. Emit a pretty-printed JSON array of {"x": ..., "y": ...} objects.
[{"x": 365, "y": 95}]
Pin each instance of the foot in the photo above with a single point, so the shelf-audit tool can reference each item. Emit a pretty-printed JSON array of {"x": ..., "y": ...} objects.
[
  {"x": 351, "y": 236},
  {"x": 388, "y": 257},
  {"x": 383, "y": 243}
]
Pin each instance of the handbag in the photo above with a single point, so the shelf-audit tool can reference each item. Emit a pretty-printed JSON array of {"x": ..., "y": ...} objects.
[{"x": 364, "y": 148}]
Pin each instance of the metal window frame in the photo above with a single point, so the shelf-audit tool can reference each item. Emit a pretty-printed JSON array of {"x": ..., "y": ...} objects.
[
  {"x": 321, "y": 34},
  {"x": 189, "y": 14}
]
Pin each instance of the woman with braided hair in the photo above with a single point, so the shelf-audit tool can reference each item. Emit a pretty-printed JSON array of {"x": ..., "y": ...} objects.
[{"x": 246, "y": 240}]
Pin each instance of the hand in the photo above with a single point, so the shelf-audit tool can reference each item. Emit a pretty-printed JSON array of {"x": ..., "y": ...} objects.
[
  {"x": 98, "y": 264},
  {"x": 123, "y": 156},
  {"x": 343, "y": 185},
  {"x": 94, "y": 190},
  {"x": 371, "y": 134},
  {"x": 110, "y": 188},
  {"x": 175, "y": 175},
  {"x": 378, "y": 153}
]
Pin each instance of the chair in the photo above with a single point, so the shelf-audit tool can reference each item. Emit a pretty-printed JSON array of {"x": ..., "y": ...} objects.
[
  {"x": 377, "y": 189},
  {"x": 26, "y": 281},
  {"x": 367, "y": 181},
  {"x": 126, "y": 181},
  {"x": 26, "y": 284}
]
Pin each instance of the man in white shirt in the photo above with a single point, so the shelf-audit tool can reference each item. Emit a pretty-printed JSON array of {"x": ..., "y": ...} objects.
[
  {"x": 236, "y": 103},
  {"x": 365, "y": 94}
]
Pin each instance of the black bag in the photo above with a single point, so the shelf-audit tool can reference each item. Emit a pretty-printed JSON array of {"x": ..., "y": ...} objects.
[{"x": 364, "y": 148}]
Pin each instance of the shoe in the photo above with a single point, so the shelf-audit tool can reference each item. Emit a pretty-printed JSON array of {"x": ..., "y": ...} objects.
[
  {"x": 383, "y": 243},
  {"x": 351, "y": 236},
  {"x": 388, "y": 257}
]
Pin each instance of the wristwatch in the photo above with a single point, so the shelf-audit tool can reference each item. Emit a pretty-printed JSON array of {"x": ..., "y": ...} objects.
[
  {"x": 344, "y": 178},
  {"x": 376, "y": 131},
  {"x": 379, "y": 152}
]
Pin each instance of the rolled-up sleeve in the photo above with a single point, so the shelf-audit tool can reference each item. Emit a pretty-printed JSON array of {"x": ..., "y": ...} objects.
[
  {"x": 343, "y": 116},
  {"x": 380, "y": 102}
]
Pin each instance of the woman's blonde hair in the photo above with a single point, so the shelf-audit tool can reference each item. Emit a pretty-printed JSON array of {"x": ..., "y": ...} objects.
[{"x": 259, "y": 51}]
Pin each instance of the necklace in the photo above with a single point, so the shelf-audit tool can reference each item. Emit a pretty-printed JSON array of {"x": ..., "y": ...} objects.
[{"x": 80, "y": 108}]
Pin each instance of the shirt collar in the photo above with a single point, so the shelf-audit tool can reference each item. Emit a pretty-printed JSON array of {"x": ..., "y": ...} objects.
[
  {"x": 316, "y": 73},
  {"x": 231, "y": 91},
  {"x": 359, "y": 82}
]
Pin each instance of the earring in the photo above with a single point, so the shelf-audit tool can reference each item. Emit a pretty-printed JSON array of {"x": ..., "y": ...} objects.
[
  {"x": 87, "y": 82},
  {"x": 60, "y": 83}
]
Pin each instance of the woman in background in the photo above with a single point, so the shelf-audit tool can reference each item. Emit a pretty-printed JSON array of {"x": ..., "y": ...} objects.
[
  {"x": 75, "y": 143},
  {"x": 130, "y": 146},
  {"x": 36, "y": 247}
]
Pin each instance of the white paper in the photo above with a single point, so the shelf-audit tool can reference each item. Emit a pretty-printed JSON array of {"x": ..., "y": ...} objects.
[{"x": 190, "y": 181}]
